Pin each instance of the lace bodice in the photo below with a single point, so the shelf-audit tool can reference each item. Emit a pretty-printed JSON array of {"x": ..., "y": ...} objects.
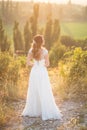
[
  {"x": 44, "y": 52},
  {"x": 42, "y": 60}
]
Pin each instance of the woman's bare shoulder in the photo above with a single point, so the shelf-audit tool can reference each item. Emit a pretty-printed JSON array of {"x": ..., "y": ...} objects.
[
  {"x": 30, "y": 50},
  {"x": 45, "y": 50}
]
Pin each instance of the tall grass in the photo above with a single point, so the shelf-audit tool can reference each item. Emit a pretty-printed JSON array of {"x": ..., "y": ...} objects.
[{"x": 10, "y": 84}]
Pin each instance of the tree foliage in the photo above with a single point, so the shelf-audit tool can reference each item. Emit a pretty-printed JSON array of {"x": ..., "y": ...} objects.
[
  {"x": 27, "y": 37},
  {"x": 48, "y": 33},
  {"x": 34, "y": 19},
  {"x": 74, "y": 73},
  {"x": 4, "y": 42},
  {"x": 56, "y": 31},
  {"x": 52, "y": 32},
  {"x": 68, "y": 41},
  {"x": 17, "y": 37},
  {"x": 56, "y": 53}
]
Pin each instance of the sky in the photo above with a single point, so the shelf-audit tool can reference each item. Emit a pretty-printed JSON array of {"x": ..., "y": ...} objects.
[{"x": 83, "y": 2}]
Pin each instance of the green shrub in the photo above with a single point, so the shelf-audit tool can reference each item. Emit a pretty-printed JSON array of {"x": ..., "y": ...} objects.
[
  {"x": 4, "y": 63},
  {"x": 22, "y": 60},
  {"x": 74, "y": 72},
  {"x": 9, "y": 75},
  {"x": 13, "y": 77},
  {"x": 56, "y": 53},
  {"x": 68, "y": 41}
]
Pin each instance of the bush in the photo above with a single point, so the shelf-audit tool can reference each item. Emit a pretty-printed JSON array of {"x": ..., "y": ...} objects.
[
  {"x": 68, "y": 41},
  {"x": 9, "y": 76},
  {"x": 56, "y": 53},
  {"x": 22, "y": 60},
  {"x": 82, "y": 43},
  {"x": 74, "y": 72},
  {"x": 12, "y": 79},
  {"x": 4, "y": 63}
]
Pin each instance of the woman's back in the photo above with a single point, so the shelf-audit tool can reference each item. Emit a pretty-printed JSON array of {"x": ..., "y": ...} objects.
[
  {"x": 44, "y": 59},
  {"x": 43, "y": 52}
]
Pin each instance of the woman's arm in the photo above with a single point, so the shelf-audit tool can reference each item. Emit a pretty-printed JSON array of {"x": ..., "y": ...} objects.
[
  {"x": 47, "y": 62},
  {"x": 29, "y": 58}
]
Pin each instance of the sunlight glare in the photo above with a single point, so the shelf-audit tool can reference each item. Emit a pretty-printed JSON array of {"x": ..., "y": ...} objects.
[{"x": 81, "y": 2}]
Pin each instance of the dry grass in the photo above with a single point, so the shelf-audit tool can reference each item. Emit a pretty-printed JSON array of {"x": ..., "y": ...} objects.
[
  {"x": 23, "y": 82},
  {"x": 57, "y": 83}
]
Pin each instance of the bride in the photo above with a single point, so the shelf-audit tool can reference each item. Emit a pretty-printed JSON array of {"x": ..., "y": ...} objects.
[{"x": 40, "y": 101}]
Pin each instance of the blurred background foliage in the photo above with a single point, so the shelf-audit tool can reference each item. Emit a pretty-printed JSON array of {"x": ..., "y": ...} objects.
[{"x": 65, "y": 33}]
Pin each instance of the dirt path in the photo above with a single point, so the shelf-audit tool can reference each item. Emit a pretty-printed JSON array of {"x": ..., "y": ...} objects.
[
  {"x": 74, "y": 115},
  {"x": 71, "y": 118}
]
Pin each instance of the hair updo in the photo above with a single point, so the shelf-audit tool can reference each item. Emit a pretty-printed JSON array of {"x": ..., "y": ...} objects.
[{"x": 36, "y": 46}]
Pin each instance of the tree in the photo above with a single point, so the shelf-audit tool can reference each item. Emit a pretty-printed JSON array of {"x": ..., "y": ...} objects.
[
  {"x": 34, "y": 19},
  {"x": 17, "y": 38},
  {"x": 7, "y": 7},
  {"x": 4, "y": 42},
  {"x": 56, "y": 31},
  {"x": 49, "y": 9},
  {"x": 16, "y": 9},
  {"x": 5, "y": 46},
  {"x": 27, "y": 37},
  {"x": 48, "y": 33},
  {"x": 1, "y": 33},
  {"x": 85, "y": 12},
  {"x": 56, "y": 53},
  {"x": 3, "y": 6}
]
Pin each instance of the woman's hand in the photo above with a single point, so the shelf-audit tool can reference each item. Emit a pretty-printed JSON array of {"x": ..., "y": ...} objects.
[
  {"x": 47, "y": 63},
  {"x": 29, "y": 64}
]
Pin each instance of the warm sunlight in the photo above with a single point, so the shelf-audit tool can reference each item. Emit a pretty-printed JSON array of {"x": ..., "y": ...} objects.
[
  {"x": 83, "y": 2},
  {"x": 43, "y": 64}
]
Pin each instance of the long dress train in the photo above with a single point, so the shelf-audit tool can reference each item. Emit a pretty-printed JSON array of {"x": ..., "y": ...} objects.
[{"x": 40, "y": 101}]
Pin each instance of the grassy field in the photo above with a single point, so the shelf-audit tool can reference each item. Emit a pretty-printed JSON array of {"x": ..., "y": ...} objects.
[
  {"x": 77, "y": 30},
  {"x": 74, "y": 29}
]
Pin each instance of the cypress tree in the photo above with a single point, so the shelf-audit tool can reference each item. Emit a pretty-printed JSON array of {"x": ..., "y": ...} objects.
[
  {"x": 34, "y": 19},
  {"x": 3, "y": 6},
  {"x": 1, "y": 34},
  {"x": 48, "y": 33},
  {"x": 17, "y": 38},
  {"x": 56, "y": 31},
  {"x": 5, "y": 46},
  {"x": 4, "y": 42},
  {"x": 7, "y": 7},
  {"x": 27, "y": 37}
]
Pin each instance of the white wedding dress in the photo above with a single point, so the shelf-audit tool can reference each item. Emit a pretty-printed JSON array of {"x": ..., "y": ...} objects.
[{"x": 40, "y": 101}]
